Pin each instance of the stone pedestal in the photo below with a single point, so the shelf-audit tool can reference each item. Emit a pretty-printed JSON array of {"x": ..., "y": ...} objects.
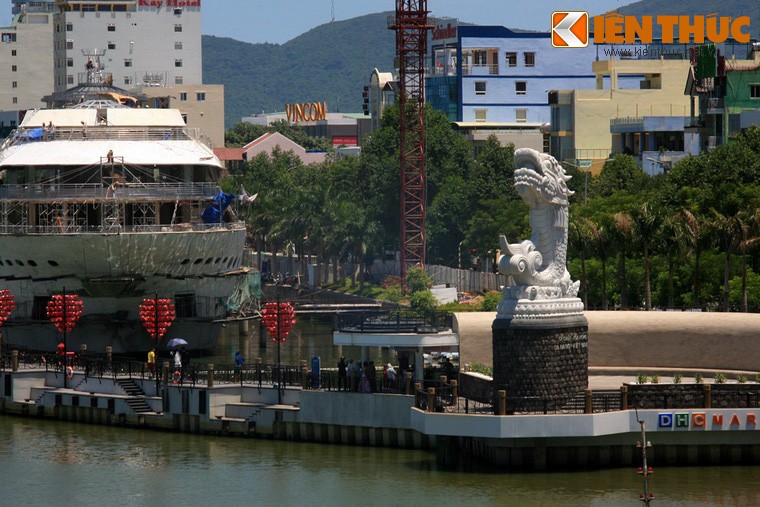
[{"x": 540, "y": 361}]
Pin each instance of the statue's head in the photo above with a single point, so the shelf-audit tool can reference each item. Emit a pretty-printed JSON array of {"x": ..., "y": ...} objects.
[{"x": 539, "y": 179}]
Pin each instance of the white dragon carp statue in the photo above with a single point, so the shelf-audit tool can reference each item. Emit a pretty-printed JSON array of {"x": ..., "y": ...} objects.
[{"x": 543, "y": 286}]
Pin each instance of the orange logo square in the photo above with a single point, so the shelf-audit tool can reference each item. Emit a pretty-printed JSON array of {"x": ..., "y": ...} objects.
[{"x": 570, "y": 29}]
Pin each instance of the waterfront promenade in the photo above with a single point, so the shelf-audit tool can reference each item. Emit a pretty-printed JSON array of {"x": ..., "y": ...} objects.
[{"x": 716, "y": 419}]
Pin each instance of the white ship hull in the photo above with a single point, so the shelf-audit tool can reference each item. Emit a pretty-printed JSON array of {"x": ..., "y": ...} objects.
[{"x": 112, "y": 273}]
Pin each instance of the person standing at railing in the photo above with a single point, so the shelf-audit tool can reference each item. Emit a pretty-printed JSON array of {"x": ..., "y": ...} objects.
[
  {"x": 390, "y": 377},
  {"x": 353, "y": 376},
  {"x": 239, "y": 361},
  {"x": 342, "y": 374}
]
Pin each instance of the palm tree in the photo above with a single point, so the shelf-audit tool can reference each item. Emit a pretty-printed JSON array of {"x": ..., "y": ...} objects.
[
  {"x": 600, "y": 240},
  {"x": 669, "y": 234},
  {"x": 646, "y": 221},
  {"x": 623, "y": 227},
  {"x": 580, "y": 238},
  {"x": 750, "y": 238},
  {"x": 695, "y": 235},
  {"x": 730, "y": 228}
]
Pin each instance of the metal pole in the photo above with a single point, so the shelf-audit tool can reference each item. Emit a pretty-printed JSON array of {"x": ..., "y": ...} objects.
[
  {"x": 279, "y": 363},
  {"x": 155, "y": 335},
  {"x": 65, "y": 354}
]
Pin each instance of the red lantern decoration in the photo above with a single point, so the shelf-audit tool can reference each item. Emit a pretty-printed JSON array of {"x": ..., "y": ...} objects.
[
  {"x": 157, "y": 315},
  {"x": 278, "y": 319},
  {"x": 7, "y": 305},
  {"x": 64, "y": 311}
]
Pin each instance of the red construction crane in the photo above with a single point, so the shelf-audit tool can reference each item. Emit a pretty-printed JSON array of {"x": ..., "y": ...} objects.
[{"x": 411, "y": 26}]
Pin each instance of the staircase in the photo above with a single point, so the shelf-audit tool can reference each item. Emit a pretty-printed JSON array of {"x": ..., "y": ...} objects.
[
  {"x": 136, "y": 401},
  {"x": 130, "y": 387}
]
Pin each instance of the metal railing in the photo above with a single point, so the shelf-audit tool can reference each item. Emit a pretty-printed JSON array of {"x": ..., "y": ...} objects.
[
  {"x": 106, "y": 133},
  {"x": 99, "y": 191},
  {"x": 395, "y": 321},
  {"x": 479, "y": 69},
  {"x": 121, "y": 229}
]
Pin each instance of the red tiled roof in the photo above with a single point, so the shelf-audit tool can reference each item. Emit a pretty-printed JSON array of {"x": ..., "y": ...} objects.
[{"x": 229, "y": 153}]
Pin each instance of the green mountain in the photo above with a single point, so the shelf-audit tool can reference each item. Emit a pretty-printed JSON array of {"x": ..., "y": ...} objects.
[
  {"x": 333, "y": 61},
  {"x": 330, "y": 63}
]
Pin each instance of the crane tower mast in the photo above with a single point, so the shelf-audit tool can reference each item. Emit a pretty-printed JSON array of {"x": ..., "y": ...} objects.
[{"x": 411, "y": 26}]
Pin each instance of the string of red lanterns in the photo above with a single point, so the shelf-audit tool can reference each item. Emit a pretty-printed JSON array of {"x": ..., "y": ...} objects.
[
  {"x": 157, "y": 315},
  {"x": 64, "y": 310},
  {"x": 7, "y": 305},
  {"x": 278, "y": 319}
]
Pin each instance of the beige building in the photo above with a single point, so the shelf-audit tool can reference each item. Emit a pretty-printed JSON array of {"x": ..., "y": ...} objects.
[
  {"x": 580, "y": 119},
  {"x": 139, "y": 42},
  {"x": 201, "y": 105},
  {"x": 26, "y": 59}
]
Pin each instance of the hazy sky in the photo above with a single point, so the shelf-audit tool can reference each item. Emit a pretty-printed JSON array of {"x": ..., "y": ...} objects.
[{"x": 281, "y": 20}]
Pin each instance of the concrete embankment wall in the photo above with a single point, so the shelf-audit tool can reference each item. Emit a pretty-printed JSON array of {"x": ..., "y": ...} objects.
[
  {"x": 230, "y": 409},
  {"x": 706, "y": 340}
]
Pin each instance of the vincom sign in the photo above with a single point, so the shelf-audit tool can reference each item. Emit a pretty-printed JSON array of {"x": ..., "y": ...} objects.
[{"x": 570, "y": 29}]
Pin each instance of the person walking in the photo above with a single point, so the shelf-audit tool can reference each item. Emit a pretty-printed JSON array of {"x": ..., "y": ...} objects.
[{"x": 151, "y": 363}]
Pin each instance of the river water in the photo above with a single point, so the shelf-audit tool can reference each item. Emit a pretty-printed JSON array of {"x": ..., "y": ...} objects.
[{"x": 55, "y": 463}]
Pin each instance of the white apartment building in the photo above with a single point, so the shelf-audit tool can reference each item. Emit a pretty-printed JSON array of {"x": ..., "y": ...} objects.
[
  {"x": 26, "y": 59},
  {"x": 142, "y": 42}
]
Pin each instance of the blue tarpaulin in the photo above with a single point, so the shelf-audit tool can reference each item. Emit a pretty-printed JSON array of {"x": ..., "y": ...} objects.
[
  {"x": 214, "y": 211},
  {"x": 32, "y": 134}
]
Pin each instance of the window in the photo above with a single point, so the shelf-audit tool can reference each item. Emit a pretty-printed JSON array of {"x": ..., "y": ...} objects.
[
  {"x": 13, "y": 52},
  {"x": 111, "y": 27},
  {"x": 178, "y": 63},
  {"x": 127, "y": 62},
  {"x": 521, "y": 87},
  {"x": 178, "y": 80},
  {"x": 70, "y": 79},
  {"x": 480, "y": 87},
  {"x": 184, "y": 117},
  {"x": 15, "y": 100},
  {"x": 177, "y": 28},
  {"x": 182, "y": 95},
  {"x": 14, "y": 68},
  {"x": 200, "y": 96},
  {"x": 511, "y": 59},
  {"x": 127, "y": 80},
  {"x": 69, "y": 27},
  {"x": 754, "y": 91},
  {"x": 177, "y": 12},
  {"x": 521, "y": 115},
  {"x": 69, "y": 62},
  {"x": 14, "y": 84},
  {"x": 184, "y": 305},
  {"x": 480, "y": 114},
  {"x": 480, "y": 58},
  {"x": 178, "y": 46},
  {"x": 530, "y": 59},
  {"x": 8, "y": 37},
  {"x": 111, "y": 45}
]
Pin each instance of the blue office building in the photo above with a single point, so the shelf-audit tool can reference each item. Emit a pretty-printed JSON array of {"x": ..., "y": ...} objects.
[{"x": 491, "y": 78}]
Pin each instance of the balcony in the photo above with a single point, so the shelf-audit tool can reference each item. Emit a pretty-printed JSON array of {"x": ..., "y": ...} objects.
[{"x": 469, "y": 69}]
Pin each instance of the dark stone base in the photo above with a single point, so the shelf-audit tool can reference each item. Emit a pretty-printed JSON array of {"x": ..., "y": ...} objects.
[{"x": 540, "y": 360}]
